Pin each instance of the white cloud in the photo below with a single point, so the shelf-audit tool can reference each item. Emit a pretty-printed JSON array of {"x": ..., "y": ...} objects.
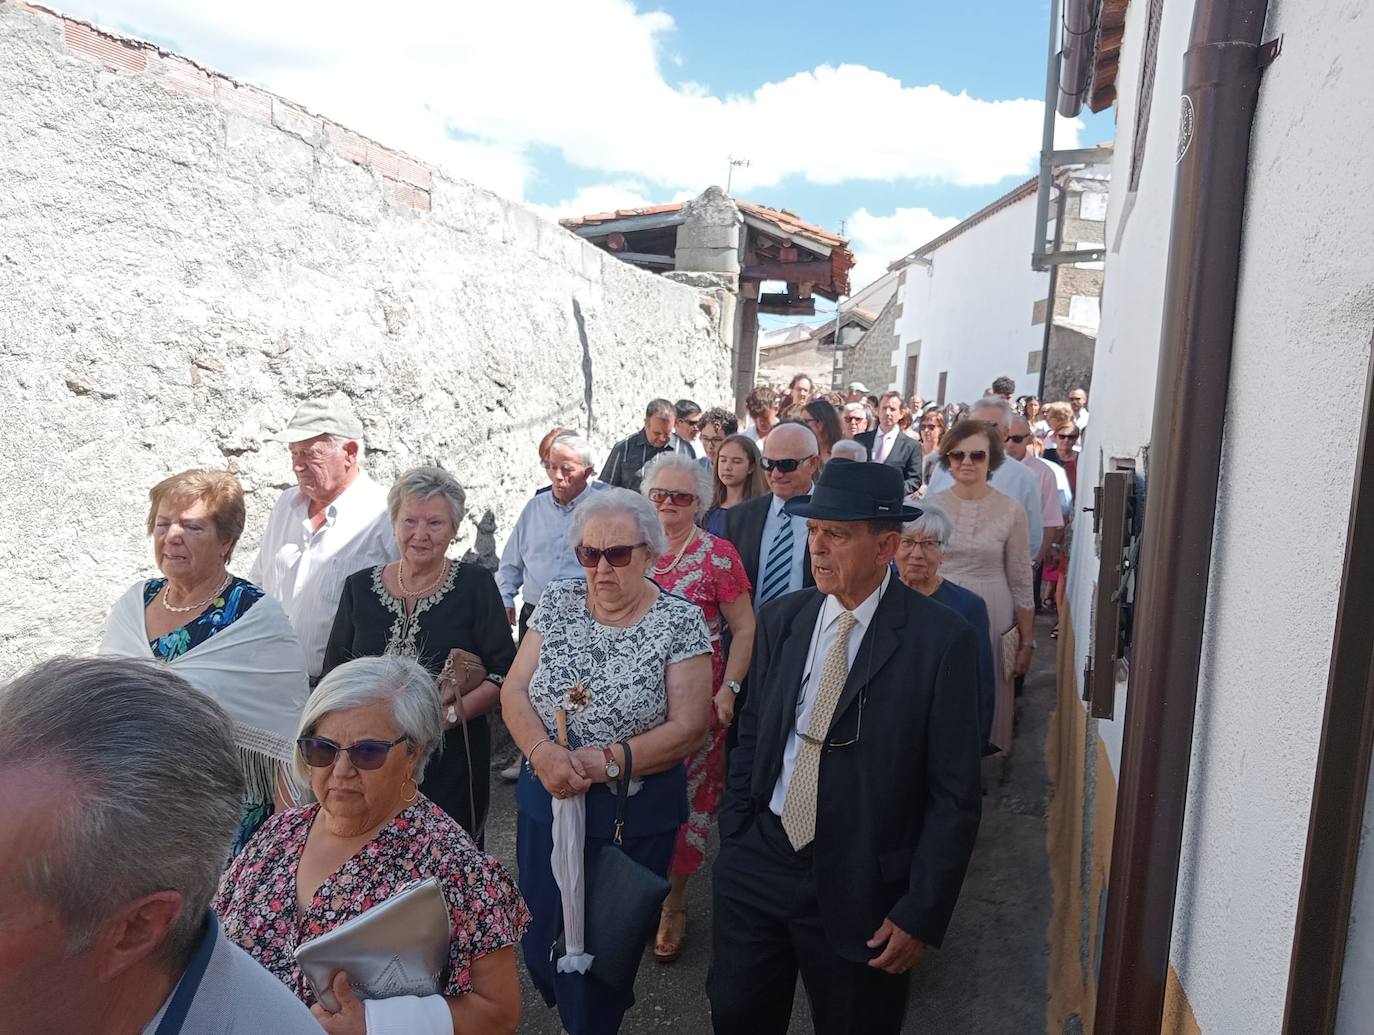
[
  {"x": 587, "y": 80},
  {"x": 878, "y": 240},
  {"x": 601, "y": 197}
]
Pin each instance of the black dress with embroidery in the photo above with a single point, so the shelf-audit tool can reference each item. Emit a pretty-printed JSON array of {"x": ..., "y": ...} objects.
[{"x": 465, "y": 611}]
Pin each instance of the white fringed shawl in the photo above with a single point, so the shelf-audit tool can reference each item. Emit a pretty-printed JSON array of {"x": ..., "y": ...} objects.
[{"x": 254, "y": 669}]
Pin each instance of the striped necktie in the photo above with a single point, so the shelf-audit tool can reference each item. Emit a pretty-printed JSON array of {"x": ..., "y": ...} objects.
[{"x": 777, "y": 569}]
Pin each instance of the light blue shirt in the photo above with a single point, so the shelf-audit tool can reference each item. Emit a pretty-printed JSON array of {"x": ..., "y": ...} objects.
[
  {"x": 770, "y": 529},
  {"x": 537, "y": 551}
]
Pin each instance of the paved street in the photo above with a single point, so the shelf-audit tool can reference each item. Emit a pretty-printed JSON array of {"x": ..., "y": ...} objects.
[{"x": 990, "y": 976}]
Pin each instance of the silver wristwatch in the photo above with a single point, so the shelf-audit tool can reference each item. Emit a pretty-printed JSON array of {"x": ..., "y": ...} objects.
[{"x": 734, "y": 685}]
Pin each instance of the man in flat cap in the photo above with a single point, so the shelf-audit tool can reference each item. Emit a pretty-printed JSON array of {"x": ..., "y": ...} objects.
[
  {"x": 335, "y": 522},
  {"x": 853, "y": 797}
]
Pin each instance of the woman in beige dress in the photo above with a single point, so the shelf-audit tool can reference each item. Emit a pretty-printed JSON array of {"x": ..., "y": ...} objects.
[{"x": 988, "y": 554}]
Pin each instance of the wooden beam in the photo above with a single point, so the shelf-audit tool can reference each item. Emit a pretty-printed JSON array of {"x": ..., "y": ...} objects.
[
  {"x": 630, "y": 224},
  {"x": 644, "y": 259},
  {"x": 791, "y": 272},
  {"x": 786, "y": 305}
]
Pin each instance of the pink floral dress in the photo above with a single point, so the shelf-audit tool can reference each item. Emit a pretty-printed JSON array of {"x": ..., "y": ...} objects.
[
  {"x": 708, "y": 574},
  {"x": 257, "y": 895}
]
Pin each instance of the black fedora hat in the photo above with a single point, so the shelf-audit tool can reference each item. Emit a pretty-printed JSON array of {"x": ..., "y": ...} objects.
[{"x": 852, "y": 491}]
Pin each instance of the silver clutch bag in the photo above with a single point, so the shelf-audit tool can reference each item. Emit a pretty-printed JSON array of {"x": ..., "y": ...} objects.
[{"x": 398, "y": 947}]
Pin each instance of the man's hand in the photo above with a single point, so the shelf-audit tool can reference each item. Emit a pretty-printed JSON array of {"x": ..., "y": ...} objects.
[
  {"x": 351, "y": 1018},
  {"x": 902, "y": 953}
]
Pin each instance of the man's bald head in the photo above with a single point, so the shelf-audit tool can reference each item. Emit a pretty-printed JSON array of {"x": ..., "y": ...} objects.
[
  {"x": 994, "y": 411},
  {"x": 796, "y": 447},
  {"x": 792, "y": 440},
  {"x": 1019, "y": 429}
]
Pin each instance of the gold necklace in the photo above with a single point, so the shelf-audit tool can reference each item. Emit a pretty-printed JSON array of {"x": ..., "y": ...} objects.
[
  {"x": 401, "y": 580},
  {"x": 691, "y": 538},
  {"x": 198, "y": 605}
]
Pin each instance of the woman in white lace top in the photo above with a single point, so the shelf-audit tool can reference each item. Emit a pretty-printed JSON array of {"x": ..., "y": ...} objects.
[{"x": 988, "y": 554}]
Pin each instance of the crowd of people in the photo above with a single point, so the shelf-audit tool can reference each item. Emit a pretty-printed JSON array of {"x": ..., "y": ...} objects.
[{"x": 806, "y": 631}]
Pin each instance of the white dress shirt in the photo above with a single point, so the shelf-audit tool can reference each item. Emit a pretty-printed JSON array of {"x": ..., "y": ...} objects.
[
  {"x": 537, "y": 551},
  {"x": 822, "y": 639},
  {"x": 1051, "y": 514},
  {"x": 883, "y": 441},
  {"x": 305, "y": 569},
  {"x": 771, "y": 525},
  {"x": 1011, "y": 479}
]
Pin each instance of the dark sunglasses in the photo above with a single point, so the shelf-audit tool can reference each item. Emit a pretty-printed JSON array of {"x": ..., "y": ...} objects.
[
  {"x": 930, "y": 427},
  {"x": 616, "y": 556},
  {"x": 365, "y": 754},
  {"x": 957, "y": 456},
  {"x": 679, "y": 499},
  {"x": 1066, "y": 438},
  {"x": 1018, "y": 439},
  {"x": 856, "y": 418},
  {"x": 785, "y": 466},
  {"x": 691, "y": 422}
]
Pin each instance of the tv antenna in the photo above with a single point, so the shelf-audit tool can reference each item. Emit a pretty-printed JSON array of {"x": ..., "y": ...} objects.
[{"x": 734, "y": 164}]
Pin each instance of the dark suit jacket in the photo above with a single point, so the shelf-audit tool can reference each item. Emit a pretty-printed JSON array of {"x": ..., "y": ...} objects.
[
  {"x": 898, "y": 811},
  {"x": 744, "y": 528},
  {"x": 905, "y": 456}
]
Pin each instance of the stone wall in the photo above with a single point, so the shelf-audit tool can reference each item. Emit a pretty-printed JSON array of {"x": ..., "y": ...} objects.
[
  {"x": 183, "y": 258},
  {"x": 870, "y": 361}
]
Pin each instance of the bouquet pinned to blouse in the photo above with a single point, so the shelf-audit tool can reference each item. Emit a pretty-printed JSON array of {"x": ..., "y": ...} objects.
[{"x": 577, "y": 698}]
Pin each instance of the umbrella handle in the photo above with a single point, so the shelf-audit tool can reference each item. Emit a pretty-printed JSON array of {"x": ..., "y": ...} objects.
[{"x": 561, "y": 717}]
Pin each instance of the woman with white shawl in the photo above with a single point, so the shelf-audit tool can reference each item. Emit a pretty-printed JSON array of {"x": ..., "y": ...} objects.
[{"x": 224, "y": 635}]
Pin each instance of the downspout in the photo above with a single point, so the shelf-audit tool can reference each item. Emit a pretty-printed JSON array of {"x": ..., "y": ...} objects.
[
  {"x": 1221, "y": 86},
  {"x": 1050, "y": 300}
]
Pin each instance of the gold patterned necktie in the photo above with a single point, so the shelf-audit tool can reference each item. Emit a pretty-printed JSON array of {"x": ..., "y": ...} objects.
[{"x": 799, "y": 806}]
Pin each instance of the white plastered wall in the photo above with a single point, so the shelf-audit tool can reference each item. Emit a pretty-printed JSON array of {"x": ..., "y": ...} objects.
[
  {"x": 972, "y": 310},
  {"x": 1305, "y": 311}
]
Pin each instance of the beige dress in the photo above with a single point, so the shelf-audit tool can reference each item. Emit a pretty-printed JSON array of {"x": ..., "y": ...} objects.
[{"x": 988, "y": 555}]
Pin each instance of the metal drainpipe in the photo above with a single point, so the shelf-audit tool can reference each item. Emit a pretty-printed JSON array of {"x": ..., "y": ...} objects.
[
  {"x": 1054, "y": 288},
  {"x": 1221, "y": 77}
]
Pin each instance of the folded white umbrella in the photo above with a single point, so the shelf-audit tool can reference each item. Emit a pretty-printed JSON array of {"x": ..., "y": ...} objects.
[{"x": 569, "y": 839}]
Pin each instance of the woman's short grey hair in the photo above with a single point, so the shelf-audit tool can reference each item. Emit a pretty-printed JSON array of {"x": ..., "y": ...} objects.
[
  {"x": 578, "y": 444},
  {"x": 153, "y": 790},
  {"x": 933, "y": 521},
  {"x": 620, "y": 503},
  {"x": 848, "y": 449},
  {"x": 855, "y": 407},
  {"x": 423, "y": 483},
  {"x": 701, "y": 477},
  {"x": 402, "y": 683}
]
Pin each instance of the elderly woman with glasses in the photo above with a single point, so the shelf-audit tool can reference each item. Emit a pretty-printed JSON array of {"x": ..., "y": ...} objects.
[
  {"x": 854, "y": 419},
  {"x": 365, "y": 737},
  {"x": 433, "y": 609},
  {"x": 988, "y": 553},
  {"x": 708, "y": 572},
  {"x": 627, "y": 666},
  {"x": 920, "y": 553}
]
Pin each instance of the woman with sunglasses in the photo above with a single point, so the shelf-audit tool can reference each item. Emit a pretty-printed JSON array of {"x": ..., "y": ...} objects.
[
  {"x": 736, "y": 476},
  {"x": 988, "y": 553},
  {"x": 366, "y": 735},
  {"x": 426, "y": 606},
  {"x": 708, "y": 572},
  {"x": 628, "y": 666}
]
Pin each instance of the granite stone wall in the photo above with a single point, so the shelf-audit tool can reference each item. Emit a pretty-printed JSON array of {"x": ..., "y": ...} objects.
[{"x": 183, "y": 258}]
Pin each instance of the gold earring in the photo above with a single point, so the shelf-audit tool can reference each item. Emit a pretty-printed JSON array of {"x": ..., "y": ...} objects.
[{"x": 415, "y": 793}]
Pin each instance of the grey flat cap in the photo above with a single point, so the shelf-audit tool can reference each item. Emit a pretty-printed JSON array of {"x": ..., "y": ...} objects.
[
  {"x": 858, "y": 386},
  {"x": 328, "y": 416}
]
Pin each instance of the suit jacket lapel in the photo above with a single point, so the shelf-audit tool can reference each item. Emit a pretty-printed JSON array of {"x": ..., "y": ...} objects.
[
  {"x": 791, "y": 653},
  {"x": 880, "y": 642}
]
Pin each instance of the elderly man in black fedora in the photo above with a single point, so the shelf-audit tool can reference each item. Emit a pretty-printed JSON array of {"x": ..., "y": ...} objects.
[{"x": 853, "y": 798}]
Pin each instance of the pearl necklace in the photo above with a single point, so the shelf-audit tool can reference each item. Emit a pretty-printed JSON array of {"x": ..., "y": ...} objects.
[
  {"x": 673, "y": 564},
  {"x": 401, "y": 580},
  {"x": 199, "y": 604}
]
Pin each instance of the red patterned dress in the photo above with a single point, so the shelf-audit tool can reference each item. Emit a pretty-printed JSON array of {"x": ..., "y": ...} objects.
[
  {"x": 258, "y": 906},
  {"x": 708, "y": 574}
]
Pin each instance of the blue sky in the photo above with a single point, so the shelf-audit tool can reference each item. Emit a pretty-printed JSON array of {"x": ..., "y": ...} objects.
[{"x": 893, "y": 119}]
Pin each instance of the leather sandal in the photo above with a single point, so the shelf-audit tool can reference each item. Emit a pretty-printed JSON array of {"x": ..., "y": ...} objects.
[{"x": 666, "y": 948}]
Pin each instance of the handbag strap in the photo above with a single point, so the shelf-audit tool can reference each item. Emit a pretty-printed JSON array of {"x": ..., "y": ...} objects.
[
  {"x": 622, "y": 792},
  {"x": 180, "y": 1006}
]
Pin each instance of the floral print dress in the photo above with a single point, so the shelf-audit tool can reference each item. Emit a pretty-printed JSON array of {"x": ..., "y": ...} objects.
[
  {"x": 258, "y": 906},
  {"x": 710, "y": 573}
]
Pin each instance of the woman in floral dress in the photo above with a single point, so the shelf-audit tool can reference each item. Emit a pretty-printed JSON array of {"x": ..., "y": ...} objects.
[
  {"x": 372, "y": 833},
  {"x": 708, "y": 572}
]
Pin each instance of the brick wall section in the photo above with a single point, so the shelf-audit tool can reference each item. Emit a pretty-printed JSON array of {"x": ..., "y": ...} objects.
[{"x": 184, "y": 258}]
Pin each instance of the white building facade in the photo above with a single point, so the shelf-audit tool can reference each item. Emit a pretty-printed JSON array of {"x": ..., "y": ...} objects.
[{"x": 1305, "y": 311}]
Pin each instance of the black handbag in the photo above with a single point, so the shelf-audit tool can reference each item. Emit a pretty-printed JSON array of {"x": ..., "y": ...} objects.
[{"x": 622, "y": 904}]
